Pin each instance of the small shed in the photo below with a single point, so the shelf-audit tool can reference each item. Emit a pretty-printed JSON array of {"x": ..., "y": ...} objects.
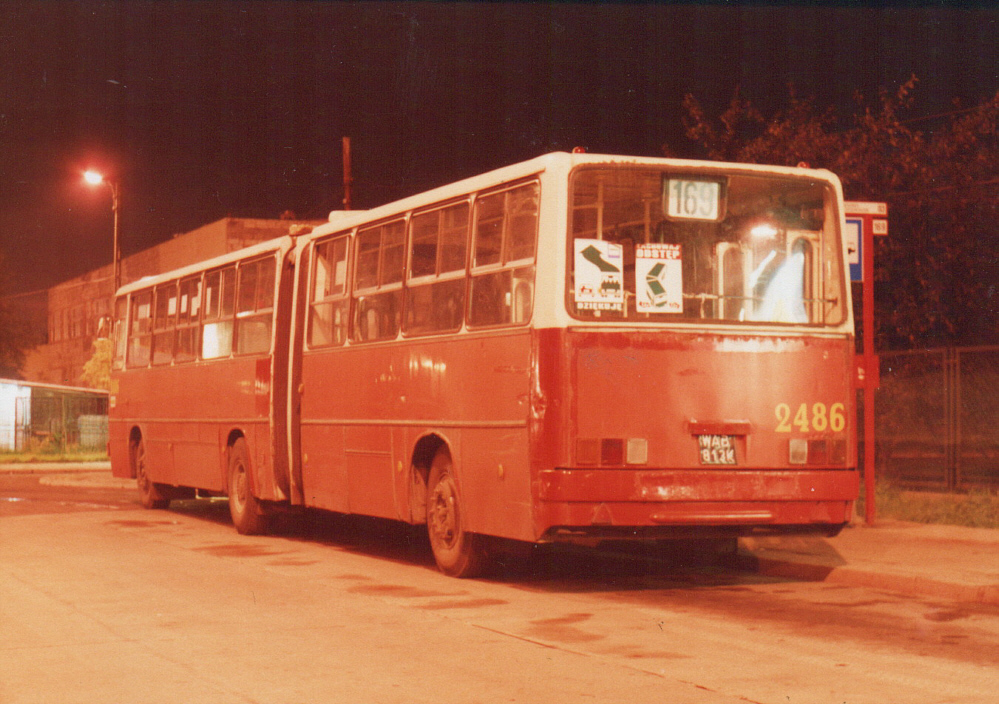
[{"x": 36, "y": 416}]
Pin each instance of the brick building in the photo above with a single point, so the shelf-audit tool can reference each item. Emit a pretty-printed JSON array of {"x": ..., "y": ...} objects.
[{"x": 74, "y": 310}]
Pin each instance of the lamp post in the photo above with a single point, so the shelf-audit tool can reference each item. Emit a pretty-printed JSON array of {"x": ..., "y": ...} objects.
[{"x": 95, "y": 178}]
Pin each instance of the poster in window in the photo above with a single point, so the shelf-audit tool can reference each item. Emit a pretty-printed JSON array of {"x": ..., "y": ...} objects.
[
  {"x": 658, "y": 278},
  {"x": 599, "y": 275}
]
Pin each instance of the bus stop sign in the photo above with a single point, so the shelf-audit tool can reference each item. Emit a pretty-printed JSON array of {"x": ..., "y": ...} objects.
[{"x": 863, "y": 219}]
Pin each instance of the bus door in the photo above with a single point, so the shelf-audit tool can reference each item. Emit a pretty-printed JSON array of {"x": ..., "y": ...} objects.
[{"x": 317, "y": 373}]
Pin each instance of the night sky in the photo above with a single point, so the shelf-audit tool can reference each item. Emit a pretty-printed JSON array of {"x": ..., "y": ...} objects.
[{"x": 208, "y": 109}]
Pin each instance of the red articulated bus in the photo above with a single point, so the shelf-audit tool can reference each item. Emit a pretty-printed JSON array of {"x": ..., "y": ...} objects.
[{"x": 578, "y": 347}]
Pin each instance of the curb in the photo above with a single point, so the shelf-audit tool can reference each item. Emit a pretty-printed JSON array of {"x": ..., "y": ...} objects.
[{"x": 859, "y": 577}]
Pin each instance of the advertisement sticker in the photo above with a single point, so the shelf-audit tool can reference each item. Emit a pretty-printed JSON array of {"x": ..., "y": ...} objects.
[
  {"x": 658, "y": 278},
  {"x": 599, "y": 275}
]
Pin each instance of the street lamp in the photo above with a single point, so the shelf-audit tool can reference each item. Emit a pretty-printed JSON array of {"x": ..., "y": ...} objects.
[{"x": 95, "y": 178}]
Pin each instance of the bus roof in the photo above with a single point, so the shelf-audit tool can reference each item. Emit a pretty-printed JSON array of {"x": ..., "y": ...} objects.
[
  {"x": 284, "y": 242},
  {"x": 340, "y": 220}
]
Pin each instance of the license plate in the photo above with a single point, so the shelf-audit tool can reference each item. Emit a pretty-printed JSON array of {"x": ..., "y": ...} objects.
[{"x": 716, "y": 449}]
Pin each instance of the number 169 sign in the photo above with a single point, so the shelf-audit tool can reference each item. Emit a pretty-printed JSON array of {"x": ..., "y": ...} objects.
[{"x": 692, "y": 200}]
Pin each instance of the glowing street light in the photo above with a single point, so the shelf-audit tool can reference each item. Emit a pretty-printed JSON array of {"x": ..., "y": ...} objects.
[{"x": 95, "y": 178}]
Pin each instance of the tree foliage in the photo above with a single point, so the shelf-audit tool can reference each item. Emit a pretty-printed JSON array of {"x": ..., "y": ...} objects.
[
  {"x": 97, "y": 370},
  {"x": 14, "y": 333},
  {"x": 936, "y": 273}
]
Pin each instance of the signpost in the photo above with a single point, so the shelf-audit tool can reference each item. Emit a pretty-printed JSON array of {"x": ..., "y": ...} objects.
[{"x": 864, "y": 221}]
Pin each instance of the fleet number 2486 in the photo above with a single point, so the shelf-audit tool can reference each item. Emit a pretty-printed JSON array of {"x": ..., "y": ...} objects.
[{"x": 818, "y": 417}]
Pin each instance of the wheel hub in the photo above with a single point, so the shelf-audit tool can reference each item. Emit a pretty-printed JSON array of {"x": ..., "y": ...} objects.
[{"x": 443, "y": 514}]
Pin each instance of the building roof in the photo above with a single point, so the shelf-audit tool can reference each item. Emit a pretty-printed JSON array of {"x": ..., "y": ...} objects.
[{"x": 52, "y": 387}]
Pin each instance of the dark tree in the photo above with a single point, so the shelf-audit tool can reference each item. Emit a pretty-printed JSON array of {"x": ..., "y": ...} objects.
[
  {"x": 938, "y": 270},
  {"x": 15, "y": 335}
]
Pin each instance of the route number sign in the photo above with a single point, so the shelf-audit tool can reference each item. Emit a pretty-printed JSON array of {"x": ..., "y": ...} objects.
[{"x": 692, "y": 200}]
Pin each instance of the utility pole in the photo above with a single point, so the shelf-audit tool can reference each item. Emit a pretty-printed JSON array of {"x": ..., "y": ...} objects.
[
  {"x": 348, "y": 179},
  {"x": 95, "y": 178}
]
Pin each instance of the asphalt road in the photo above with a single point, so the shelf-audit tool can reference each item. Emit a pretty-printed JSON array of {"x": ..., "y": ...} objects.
[{"x": 103, "y": 601}]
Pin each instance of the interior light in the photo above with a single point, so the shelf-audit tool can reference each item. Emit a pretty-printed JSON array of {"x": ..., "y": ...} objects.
[{"x": 765, "y": 231}]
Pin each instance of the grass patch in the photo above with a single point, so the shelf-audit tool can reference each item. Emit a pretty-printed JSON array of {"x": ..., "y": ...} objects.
[
  {"x": 33, "y": 457},
  {"x": 975, "y": 509}
]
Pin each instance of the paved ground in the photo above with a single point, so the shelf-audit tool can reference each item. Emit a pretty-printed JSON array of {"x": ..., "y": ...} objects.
[{"x": 101, "y": 600}]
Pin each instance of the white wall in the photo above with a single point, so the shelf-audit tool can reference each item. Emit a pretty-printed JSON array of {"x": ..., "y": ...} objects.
[{"x": 10, "y": 391}]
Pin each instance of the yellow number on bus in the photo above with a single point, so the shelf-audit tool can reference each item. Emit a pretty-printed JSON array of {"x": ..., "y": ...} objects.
[
  {"x": 819, "y": 420},
  {"x": 822, "y": 418},
  {"x": 801, "y": 418},
  {"x": 783, "y": 412},
  {"x": 837, "y": 417}
]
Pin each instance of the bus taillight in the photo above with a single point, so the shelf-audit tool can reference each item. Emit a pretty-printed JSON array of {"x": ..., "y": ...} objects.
[
  {"x": 611, "y": 452},
  {"x": 817, "y": 451}
]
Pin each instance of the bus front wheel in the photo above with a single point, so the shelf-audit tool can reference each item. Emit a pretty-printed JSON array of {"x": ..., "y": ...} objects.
[
  {"x": 247, "y": 512},
  {"x": 458, "y": 552},
  {"x": 150, "y": 493}
]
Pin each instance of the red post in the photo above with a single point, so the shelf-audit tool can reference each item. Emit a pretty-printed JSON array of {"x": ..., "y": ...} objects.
[
  {"x": 873, "y": 221},
  {"x": 871, "y": 373}
]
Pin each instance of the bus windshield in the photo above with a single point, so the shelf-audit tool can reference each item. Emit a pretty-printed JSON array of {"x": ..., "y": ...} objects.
[{"x": 649, "y": 244}]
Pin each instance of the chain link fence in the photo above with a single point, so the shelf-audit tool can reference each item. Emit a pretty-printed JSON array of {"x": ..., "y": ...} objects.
[
  {"x": 57, "y": 422},
  {"x": 938, "y": 419}
]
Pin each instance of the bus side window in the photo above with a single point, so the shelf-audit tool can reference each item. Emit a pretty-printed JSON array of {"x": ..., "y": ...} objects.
[
  {"x": 187, "y": 320},
  {"x": 502, "y": 285},
  {"x": 489, "y": 211},
  {"x": 732, "y": 265},
  {"x": 435, "y": 297},
  {"x": 378, "y": 282},
  {"x": 502, "y": 297},
  {"x": 523, "y": 297},
  {"x": 140, "y": 332},
  {"x": 328, "y": 317},
  {"x": 219, "y": 299},
  {"x": 255, "y": 308},
  {"x": 118, "y": 333},
  {"x": 164, "y": 323}
]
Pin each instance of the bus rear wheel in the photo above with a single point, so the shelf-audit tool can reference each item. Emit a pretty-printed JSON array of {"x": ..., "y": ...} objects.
[
  {"x": 150, "y": 493},
  {"x": 458, "y": 552},
  {"x": 246, "y": 510}
]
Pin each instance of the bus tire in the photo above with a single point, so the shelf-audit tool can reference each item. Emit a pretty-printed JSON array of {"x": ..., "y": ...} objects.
[
  {"x": 151, "y": 494},
  {"x": 246, "y": 510},
  {"x": 458, "y": 552}
]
